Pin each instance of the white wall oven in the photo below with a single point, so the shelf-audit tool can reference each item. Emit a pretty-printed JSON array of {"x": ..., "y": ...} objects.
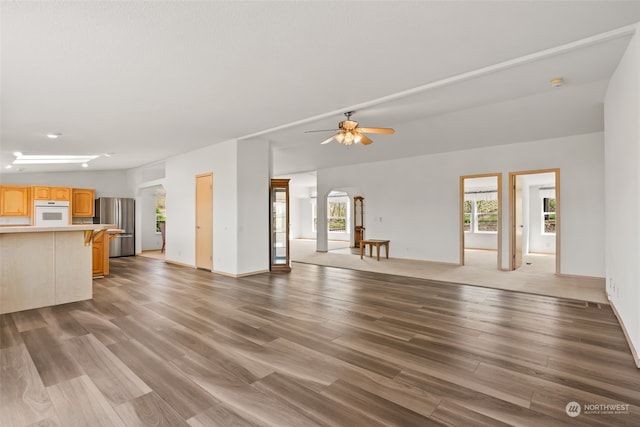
[{"x": 51, "y": 213}]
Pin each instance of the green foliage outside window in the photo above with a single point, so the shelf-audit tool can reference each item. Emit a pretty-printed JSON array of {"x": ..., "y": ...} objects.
[
  {"x": 487, "y": 214},
  {"x": 467, "y": 212},
  {"x": 160, "y": 212},
  {"x": 549, "y": 215}
]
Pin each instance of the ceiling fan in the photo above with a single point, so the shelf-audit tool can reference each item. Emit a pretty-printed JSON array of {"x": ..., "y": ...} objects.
[{"x": 349, "y": 132}]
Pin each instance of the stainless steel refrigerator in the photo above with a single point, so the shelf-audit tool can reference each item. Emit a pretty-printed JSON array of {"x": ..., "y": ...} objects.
[{"x": 121, "y": 212}]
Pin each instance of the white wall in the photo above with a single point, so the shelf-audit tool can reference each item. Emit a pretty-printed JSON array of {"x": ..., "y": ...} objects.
[
  {"x": 253, "y": 206},
  {"x": 622, "y": 175},
  {"x": 181, "y": 171},
  {"x": 146, "y": 205},
  {"x": 302, "y": 217},
  {"x": 414, "y": 202},
  {"x": 106, "y": 183},
  {"x": 240, "y": 205},
  {"x": 538, "y": 241}
]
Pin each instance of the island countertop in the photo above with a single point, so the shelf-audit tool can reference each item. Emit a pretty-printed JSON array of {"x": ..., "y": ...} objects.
[
  {"x": 46, "y": 266},
  {"x": 6, "y": 229}
]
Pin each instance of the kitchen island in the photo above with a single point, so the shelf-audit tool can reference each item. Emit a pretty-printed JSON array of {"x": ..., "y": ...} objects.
[{"x": 45, "y": 266}]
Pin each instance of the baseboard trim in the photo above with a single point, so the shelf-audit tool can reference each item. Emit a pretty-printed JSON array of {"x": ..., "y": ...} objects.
[
  {"x": 634, "y": 353},
  {"x": 181, "y": 264},
  {"x": 237, "y": 276},
  {"x": 578, "y": 276}
]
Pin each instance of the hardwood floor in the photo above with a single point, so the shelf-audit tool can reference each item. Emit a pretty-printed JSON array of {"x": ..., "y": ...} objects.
[{"x": 167, "y": 345}]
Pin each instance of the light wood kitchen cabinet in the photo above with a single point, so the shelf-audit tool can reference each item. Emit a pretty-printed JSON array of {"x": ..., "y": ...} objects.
[
  {"x": 61, "y": 193},
  {"x": 51, "y": 193},
  {"x": 100, "y": 245},
  {"x": 15, "y": 200},
  {"x": 82, "y": 203},
  {"x": 41, "y": 193},
  {"x": 100, "y": 254}
]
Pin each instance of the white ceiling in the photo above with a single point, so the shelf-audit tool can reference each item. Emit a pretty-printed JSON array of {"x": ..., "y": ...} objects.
[{"x": 148, "y": 80}]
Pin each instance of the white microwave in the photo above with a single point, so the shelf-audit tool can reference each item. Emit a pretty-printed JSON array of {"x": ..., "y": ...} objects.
[{"x": 51, "y": 213}]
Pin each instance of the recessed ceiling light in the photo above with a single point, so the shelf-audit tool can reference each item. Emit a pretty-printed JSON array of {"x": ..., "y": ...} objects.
[
  {"x": 8, "y": 166},
  {"x": 85, "y": 165},
  {"x": 54, "y": 135},
  {"x": 17, "y": 153},
  {"x": 557, "y": 82}
]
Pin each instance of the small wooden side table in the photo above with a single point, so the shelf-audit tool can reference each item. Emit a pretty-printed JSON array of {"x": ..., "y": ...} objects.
[{"x": 374, "y": 242}]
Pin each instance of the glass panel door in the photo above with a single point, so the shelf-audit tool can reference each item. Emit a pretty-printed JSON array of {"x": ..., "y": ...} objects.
[{"x": 280, "y": 225}]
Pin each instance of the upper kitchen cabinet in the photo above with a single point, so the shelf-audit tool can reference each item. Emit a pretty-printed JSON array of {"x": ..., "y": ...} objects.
[
  {"x": 15, "y": 200},
  {"x": 41, "y": 193},
  {"x": 51, "y": 193},
  {"x": 61, "y": 193},
  {"x": 82, "y": 204}
]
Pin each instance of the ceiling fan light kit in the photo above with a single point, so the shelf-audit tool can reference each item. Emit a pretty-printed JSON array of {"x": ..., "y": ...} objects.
[{"x": 350, "y": 133}]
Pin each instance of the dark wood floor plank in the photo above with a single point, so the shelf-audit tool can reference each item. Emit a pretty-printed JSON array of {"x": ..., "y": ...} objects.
[
  {"x": 9, "y": 336},
  {"x": 369, "y": 405},
  {"x": 553, "y": 402},
  {"x": 28, "y": 319},
  {"x": 233, "y": 323},
  {"x": 149, "y": 410},
  {"x": 209, "y": 348},
  {"x": 61, "y": 323},
  {"x": 413, "y": 398},
  {"x": 220, "y": 416},
  {"x": 320, "y": 408},
  {"x": 244, "y": 399},
  {"x": 48, "y": 422},
  {"x": 167, "y": 344},
  {"x": 79, "y": 403},
  {"x": 23, "y": 398},
  {"x": 112, "y": 377},
  {"x": 156, "y": 343},
  {"x": 271, "y": 358},
  {"x": 187, "y": 398},
  {"x": 99, "y": 326},
  {"x": 490, "y": 403},
  {"x": 354, "y": 356},
  {"x": 53, "y": 362},
  {"x": 452, "y": 414}
]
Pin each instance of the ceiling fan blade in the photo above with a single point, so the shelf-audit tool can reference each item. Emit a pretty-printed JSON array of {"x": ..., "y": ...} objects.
[
  {"x": 376, "y": 130},
  {"x": 365, "y": 140},
  {"x": 322, "y": 130},
  {"x": 328, "y": 140}
]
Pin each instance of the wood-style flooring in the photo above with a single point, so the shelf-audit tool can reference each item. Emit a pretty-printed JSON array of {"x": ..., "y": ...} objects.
[{"x": 167, "y": 345}]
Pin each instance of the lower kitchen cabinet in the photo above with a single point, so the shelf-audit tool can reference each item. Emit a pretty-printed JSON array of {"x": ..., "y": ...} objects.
[{"x": 100, "y": 254}]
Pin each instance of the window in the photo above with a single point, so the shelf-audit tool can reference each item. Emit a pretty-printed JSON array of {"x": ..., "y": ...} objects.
[
  {"x": 487, "y": 215},
  {"x": 160, "y": 209},
  {"x": 467, "y": 214},
  {"x": 549, "y": 215},
  {"x": 337, "y": 212},
  {"x": 480, "y": 211}
]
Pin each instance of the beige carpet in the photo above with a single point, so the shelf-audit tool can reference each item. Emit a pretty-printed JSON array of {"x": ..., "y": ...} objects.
[{"x": 537, "y": 277}]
